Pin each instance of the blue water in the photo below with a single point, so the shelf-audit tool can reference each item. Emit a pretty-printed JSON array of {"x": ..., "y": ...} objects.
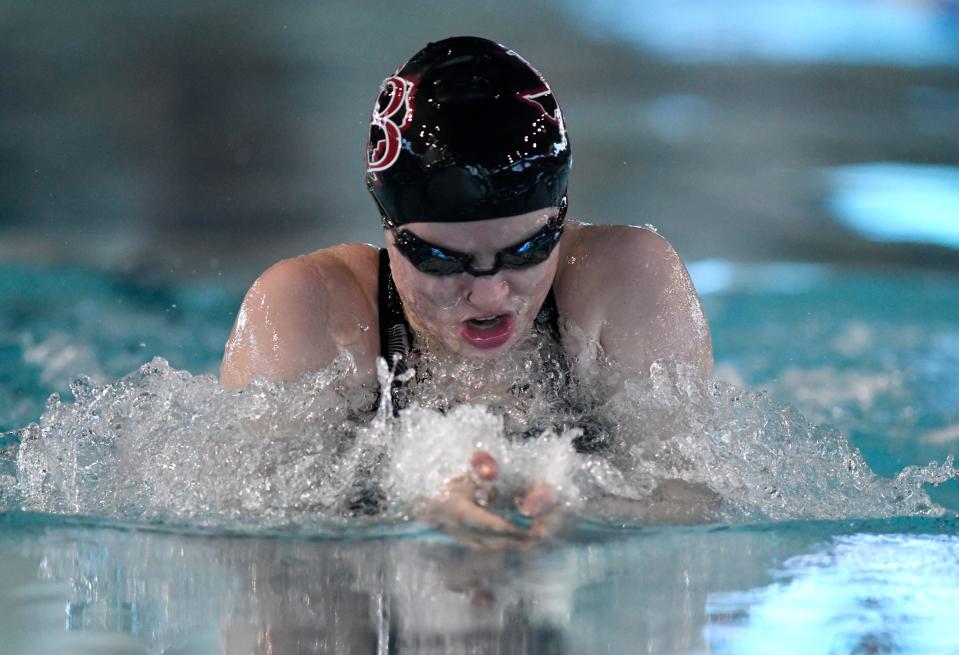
[
  {"x": 875, "y": 355},
  {"x": 58, "y": 324}
]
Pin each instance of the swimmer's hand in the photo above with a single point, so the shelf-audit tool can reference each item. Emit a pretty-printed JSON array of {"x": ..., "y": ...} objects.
[{"x": 463, "y": 504}]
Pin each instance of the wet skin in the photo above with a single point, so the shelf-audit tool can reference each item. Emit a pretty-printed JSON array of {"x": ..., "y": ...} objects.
[
  {"x": 444, "y": 306},
  {"x": 622, "y": 292}
]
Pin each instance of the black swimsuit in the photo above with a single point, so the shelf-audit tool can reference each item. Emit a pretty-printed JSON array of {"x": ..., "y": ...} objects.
[
  {"x": 396, "y": 345},
  {"x": 396, "y": 342}
]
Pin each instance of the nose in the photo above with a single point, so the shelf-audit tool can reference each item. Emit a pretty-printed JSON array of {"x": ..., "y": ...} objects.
[{"x": 487, "y": 292}]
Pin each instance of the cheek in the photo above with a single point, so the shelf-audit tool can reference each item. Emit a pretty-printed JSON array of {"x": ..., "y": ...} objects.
[
  {"x": 539, "y": 284},
  {"x": 434, "y": 295},
  {"x": 427, "y": 298},
  {"x": 528, "y": 291},
  {"x": 533, "y": 284}
]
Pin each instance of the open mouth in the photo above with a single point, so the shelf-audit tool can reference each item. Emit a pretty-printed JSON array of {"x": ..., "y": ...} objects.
[
  {"x": 487, "y": 331},
  {"x": 487, "y": 322}
]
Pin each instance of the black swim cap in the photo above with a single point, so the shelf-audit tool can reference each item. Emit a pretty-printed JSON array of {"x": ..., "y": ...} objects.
[{"x": 466, "y": 130}]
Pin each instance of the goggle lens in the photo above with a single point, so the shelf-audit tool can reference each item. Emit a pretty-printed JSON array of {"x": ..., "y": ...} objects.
[{"x": 434, "y": 260}]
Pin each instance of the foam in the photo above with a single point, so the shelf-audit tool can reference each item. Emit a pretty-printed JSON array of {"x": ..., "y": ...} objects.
[{"x": 163, "y": 445}]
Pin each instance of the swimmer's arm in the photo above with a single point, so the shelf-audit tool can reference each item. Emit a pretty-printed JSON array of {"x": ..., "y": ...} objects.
[
  {"x": 651, "y": 308},
  {"x": 297, "y": 317}
]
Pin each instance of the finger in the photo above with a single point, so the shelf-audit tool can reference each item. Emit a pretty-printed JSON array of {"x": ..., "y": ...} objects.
[
  {"x": 483, "y": 465},
  {"x": 548, "y": 524},
  {"x": 468, "y": 514},
  {"x": 540, "y": 499},
  {"x": 457, "y": 507},
  {"x": 462, "y": 485}
]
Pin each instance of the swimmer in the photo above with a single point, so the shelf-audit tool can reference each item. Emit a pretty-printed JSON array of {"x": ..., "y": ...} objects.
[{"x": 468, "y": 160}]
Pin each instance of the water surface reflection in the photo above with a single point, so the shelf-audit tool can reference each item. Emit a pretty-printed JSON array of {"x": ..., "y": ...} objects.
[
  {"x": 97, "y": 589},
  {"x": 862, "y": 594}
]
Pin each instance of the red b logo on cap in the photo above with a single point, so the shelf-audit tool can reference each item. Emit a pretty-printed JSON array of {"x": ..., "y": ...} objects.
[{"x": 396, "y": 95}]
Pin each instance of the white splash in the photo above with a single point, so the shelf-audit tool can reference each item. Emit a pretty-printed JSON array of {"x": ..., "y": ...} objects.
[{"x": 164, "y": 445}]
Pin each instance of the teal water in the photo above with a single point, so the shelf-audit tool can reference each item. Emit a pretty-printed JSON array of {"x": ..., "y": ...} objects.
[
  {"x": 888, "y": 585},
  {"x": 874, "y": 355}
]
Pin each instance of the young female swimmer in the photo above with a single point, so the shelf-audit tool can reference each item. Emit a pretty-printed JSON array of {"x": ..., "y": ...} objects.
[{"x": 468, "y": 161}]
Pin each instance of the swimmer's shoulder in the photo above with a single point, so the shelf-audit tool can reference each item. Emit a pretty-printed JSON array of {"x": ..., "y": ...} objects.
[
  {"x": 627, "y": 288},
  {"x": 614, "y": 241},
  {"x": 602, "y": 257},
  {"x": 343, "y": 276},
  {"x": 301, "y": 312},
  {"x": 351, "y": 267}
]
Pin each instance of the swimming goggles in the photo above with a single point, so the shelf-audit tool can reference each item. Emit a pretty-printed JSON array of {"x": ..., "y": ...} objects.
[{"x": 438, "y": 260}]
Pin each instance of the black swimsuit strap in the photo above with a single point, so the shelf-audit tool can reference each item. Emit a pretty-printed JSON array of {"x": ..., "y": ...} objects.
[
  {"x": 547, "y": 319},
  {"x": 396, "y": 337}
]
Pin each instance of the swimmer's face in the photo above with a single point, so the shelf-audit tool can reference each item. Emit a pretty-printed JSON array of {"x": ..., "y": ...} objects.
[{"x": 469, "y": 315}]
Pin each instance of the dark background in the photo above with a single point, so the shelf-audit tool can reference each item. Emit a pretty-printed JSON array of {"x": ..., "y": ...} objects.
[{"x": 214, "y": 137}]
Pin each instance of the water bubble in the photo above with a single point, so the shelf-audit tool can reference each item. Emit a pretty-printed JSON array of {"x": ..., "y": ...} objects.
[{"x": 164, "y": 445}]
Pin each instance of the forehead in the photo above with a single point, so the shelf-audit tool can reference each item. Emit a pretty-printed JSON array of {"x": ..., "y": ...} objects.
[{"x": 491, "y": 234}]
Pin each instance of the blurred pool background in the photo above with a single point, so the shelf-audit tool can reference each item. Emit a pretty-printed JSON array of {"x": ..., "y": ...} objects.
[{"x": 199, "y": 139}]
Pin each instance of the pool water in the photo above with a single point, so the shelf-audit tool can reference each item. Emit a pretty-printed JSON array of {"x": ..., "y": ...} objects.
[{"x": 842, "y": 562}]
